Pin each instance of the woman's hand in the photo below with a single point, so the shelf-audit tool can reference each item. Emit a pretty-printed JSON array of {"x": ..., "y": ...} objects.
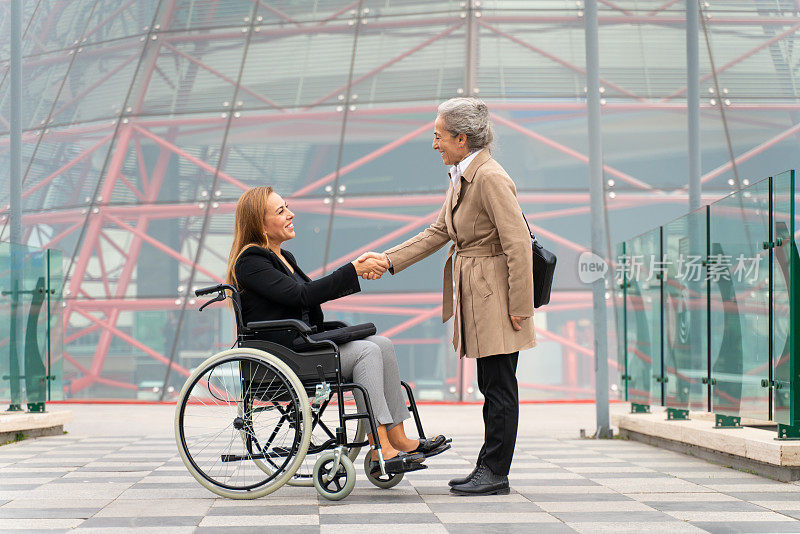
[
  {"x": 371, "y": 265},
  {"x": 516, "y": 320}
]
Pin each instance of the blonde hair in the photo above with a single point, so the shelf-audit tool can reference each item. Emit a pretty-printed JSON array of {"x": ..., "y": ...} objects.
[{"x": 248, "y": 227}]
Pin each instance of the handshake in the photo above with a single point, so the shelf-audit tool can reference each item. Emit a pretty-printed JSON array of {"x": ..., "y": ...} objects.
[{"x": 371, "y": 265}]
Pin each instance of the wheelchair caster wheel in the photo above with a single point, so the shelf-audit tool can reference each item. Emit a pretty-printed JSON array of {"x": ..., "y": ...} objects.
[
  {"x": 383, "y": 482},
  {"x": 338, "y": 485}
]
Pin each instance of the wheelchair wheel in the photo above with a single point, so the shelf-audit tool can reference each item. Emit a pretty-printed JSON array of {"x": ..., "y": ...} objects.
[
  {"x": 383, "y": 482},
  {"x": 323, "y": 439},
  {"x": 334, "y": 485},
  {"x": 236, "y": 393}
]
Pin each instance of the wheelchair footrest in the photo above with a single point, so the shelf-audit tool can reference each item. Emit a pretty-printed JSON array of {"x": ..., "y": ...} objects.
[{"x": 236, "y": 457}]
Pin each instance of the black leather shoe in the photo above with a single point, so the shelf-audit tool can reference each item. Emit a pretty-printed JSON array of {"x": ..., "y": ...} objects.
[
  {"x": 402, "y": 463},
  {"x": 464, "y": 480},
  {"x": 483, "y": 482},
  {"x": 433, "y": 446}
]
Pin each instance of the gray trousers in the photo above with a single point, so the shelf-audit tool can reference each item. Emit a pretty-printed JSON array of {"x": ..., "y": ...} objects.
[{"x": 371, "y": 362}]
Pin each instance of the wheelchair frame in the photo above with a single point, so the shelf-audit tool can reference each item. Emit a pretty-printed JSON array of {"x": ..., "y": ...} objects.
[{"x": 311, "y": 379}]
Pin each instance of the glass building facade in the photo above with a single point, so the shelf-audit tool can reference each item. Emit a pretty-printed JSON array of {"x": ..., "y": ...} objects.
[{"x": 145, "y": 120}]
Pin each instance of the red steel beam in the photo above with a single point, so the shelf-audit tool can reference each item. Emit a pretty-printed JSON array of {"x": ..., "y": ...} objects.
[
  {"x": 133, "y": 342},
  {"x": 108, "y": 18},
  {"x": 739, "y": 59},
  {"x": 198, "y": 162},
  {"x": 93, "y": 86},
  {"x": 426, "y": 219},
  {"x": 572, "y": 152},
  {"x": 662, "y": 7},
  {"x": 162, "y": 247},
  {"x": 362, "y": 160},
  {"x": 749, "y": 154},
  {"x": 558, "y": 60},
  {"x": 226, "y": 78},
  {"x": 170, "y": 211},
  {"x": 387, "y": 64},
  {"x": 67, "y": 166},
  {"x": 414, "y": 321}
]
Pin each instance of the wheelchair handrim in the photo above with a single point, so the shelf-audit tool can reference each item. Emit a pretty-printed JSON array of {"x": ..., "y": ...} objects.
[{"x": 238, "y": 356}]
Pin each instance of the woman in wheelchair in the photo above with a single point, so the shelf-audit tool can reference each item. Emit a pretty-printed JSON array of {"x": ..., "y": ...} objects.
[{"x": 272, "y": 286}]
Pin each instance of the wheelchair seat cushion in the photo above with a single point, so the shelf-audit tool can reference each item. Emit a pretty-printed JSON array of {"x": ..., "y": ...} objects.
[{"x": 337, "y": 335}]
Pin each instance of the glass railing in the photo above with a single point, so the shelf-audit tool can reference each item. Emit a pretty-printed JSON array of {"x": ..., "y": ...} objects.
[
  {"x": 707, "y": 310},
  {"x": 30, "y": 326}
]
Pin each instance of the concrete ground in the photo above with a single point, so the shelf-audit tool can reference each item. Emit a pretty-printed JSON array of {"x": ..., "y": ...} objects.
[{"x": 118, "y": 469}]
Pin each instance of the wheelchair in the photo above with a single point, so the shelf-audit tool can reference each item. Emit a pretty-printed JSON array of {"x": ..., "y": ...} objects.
[{"x": 250, "y": 419}]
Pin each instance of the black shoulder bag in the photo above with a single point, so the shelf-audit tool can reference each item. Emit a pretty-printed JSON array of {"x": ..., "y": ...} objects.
[{"x": 544, "y": 267}]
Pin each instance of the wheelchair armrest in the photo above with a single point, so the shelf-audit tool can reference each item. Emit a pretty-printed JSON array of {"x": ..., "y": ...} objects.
[
  {"x": 332, "y": 325},
  {"x": 282, "y": 324}
]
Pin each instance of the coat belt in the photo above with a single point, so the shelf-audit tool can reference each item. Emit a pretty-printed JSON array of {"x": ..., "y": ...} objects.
[{"x": 478, "y": 251}]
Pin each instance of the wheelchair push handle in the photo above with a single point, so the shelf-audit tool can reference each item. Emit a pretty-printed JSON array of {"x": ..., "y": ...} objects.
[{"x": 211, "y": 289}]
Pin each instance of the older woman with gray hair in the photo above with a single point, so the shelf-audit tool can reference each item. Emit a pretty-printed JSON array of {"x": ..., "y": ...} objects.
[{"x": 489, "y": 286}]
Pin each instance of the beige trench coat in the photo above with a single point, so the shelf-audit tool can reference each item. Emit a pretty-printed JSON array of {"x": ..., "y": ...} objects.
[{"x": 493, "y": 272}]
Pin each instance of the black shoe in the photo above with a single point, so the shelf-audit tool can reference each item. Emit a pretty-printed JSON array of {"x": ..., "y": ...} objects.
[
  {"x": 483, "y": 482},
  {"x": 433, "y": 446},
  {"x": 464, "y": 480},
  {"x": 402, "y": 463}
]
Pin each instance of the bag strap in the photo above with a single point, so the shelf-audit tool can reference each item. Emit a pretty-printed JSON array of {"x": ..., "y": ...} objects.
[{"x": 528, "y": 225}]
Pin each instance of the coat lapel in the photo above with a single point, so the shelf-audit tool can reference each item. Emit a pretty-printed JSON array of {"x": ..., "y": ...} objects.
[
  {"x": 469, "y": 173},
  {"x": 456, "y": 195}
]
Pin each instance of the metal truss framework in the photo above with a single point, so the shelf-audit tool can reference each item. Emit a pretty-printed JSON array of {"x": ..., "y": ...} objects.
[{"x": 93, "y": 224}]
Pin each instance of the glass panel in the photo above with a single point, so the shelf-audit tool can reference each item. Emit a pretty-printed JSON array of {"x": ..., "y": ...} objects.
[
  {"x": 9, "y": 366},
  {"x": 738, "y": 271},
  {"x": 23, "y": 325},
  {"x": 644, "y": 318},
  {"x": 35, "y": 324},
  {"x": 684, "y": 308},
  {"x": 55, "y": 327},
  {"x": 621, "y": 281},
  {"x": 784, "y": 260}
]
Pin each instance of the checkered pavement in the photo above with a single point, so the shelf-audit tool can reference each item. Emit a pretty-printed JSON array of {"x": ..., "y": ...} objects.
[{"x": 111, "y": 484}]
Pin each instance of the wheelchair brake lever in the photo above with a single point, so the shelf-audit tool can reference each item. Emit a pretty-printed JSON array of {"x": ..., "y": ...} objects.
[{"x": 220, "y": 297}]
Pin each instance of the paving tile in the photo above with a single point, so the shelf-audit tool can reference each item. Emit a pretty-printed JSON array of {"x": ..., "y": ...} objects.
[
  {"x": 382, "y": 528},
  {"x": 773, "y": 495},
  {"x": 495, "y": 518},
  {"x": 730, "y": 527},
  {"x": 344, "y": 507},
  {"x": 640, "y": 485},
  {"x": 156, "y": 508},
  {"x": 512, "y": 498},
  {"x": 611, "y": 496},
  {"x": 727, "y": 516},
  {"x": 46, "y": 513},
  {"x": 626, "y": 527},
  {"x": 259, "y": 520},
  {"x": 142, "y": 521},
  {"x": 593, "y": 506},
  {"x": 640, "y": 516},
  {"x": 484, "y": 507},
  {"x": 764, "y": 487},
  {"x": 26, "y": 524},
  {"x": 509, "y": 528},
  {"x": 378, "y": 518},
  {"x": 136, "y": 530},
  {"x": 704, "y": 506},
  {"x": 681, "y": 497},
  {"x": 296, "y": 529}
]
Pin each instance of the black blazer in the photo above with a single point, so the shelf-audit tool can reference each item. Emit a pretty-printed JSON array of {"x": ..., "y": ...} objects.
[{"x": 269, "y": 291}]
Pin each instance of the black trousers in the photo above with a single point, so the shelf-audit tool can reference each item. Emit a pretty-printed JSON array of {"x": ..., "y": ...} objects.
[{"x": 497, "y": 381}]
